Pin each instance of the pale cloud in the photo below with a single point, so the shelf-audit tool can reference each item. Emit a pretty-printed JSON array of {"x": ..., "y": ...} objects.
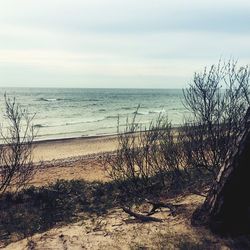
[
  {"x": 91, "y": 64},
  {"x": 101, "y": 43}
]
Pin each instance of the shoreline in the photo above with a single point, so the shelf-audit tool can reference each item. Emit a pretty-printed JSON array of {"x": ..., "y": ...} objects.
[
  {"x": 75, "y": 147},
  {"x": 71, "y": 138},
  {"x": 97, "y": 136}
]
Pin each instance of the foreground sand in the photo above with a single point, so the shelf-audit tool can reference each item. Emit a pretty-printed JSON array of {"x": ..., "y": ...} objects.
[
  {"x": 79, "y": 159},
  {"x": 116, "y": 230}
]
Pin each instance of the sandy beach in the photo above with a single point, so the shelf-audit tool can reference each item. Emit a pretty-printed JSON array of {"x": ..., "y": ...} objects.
[
  {"x": 49, "y": 150},
  {"x": 74, "y": 158},
  {"x": 79, "y": 159}
]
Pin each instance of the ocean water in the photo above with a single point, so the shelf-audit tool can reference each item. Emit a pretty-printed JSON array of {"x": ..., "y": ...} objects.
[{"x": 62, "y": 113}]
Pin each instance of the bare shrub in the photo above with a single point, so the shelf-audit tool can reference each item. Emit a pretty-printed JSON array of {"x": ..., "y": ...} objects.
[
  {"x": 173, "y": 157},
  {"x": 146, "y": 156},
  {"x": 17, "y": 135},
  {"x": 218, "y": 98},
  {"x": 169, "y": 159}
]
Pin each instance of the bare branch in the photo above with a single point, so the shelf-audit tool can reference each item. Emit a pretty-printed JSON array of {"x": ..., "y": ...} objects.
[
  {"x": 16, "y": 165},
  {"x": 140, "y": 217}
]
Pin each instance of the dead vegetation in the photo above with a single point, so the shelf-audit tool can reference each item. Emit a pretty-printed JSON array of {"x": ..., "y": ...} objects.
[{"x": 17, "y": 136}]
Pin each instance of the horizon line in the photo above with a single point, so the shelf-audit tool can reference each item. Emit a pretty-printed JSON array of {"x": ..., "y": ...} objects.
[{"x": 22, "y": 87}]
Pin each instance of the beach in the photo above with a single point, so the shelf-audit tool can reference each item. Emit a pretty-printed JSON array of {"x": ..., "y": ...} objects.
[
  {"x": 125, "y": 125},
  {"x": 78, "y": 159},
  {"x": 49, "y": 150},
  {"x": 102, "y": 224},
  {"x": 72, "y": 202},
  {"x": 74, "y": 158}
]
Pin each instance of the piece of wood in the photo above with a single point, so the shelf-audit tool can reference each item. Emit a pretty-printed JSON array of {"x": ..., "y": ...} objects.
[
  {"x": 158, "y": 204},
  {"x": 140, "y": 217}
]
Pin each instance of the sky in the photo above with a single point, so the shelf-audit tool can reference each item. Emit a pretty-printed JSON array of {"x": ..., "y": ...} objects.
[{"x": 118, "y": 43}]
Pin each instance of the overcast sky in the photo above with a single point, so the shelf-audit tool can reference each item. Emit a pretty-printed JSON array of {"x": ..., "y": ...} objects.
[{"x": 118, "y": 43}]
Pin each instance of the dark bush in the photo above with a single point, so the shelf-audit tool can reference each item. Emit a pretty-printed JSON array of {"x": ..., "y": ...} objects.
[{"x": 217, "y": 98}]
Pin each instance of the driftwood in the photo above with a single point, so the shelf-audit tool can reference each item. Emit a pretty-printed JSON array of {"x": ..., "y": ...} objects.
[
  {"x": 155, "y": 205},
  {"x": 172, "y": 208},
  {"x": 141, "y": 217}
]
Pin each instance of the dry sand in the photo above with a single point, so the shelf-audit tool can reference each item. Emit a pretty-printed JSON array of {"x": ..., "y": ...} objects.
[
  {"x": 116, "y": 230},
  {"x": 78, "y": 159},
  {"x": 64, "y": 148},
  {"x": 75, "y": 158}
]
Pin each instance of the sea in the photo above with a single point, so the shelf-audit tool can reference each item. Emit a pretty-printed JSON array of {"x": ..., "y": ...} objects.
[{"x": 66, "y": 113}]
